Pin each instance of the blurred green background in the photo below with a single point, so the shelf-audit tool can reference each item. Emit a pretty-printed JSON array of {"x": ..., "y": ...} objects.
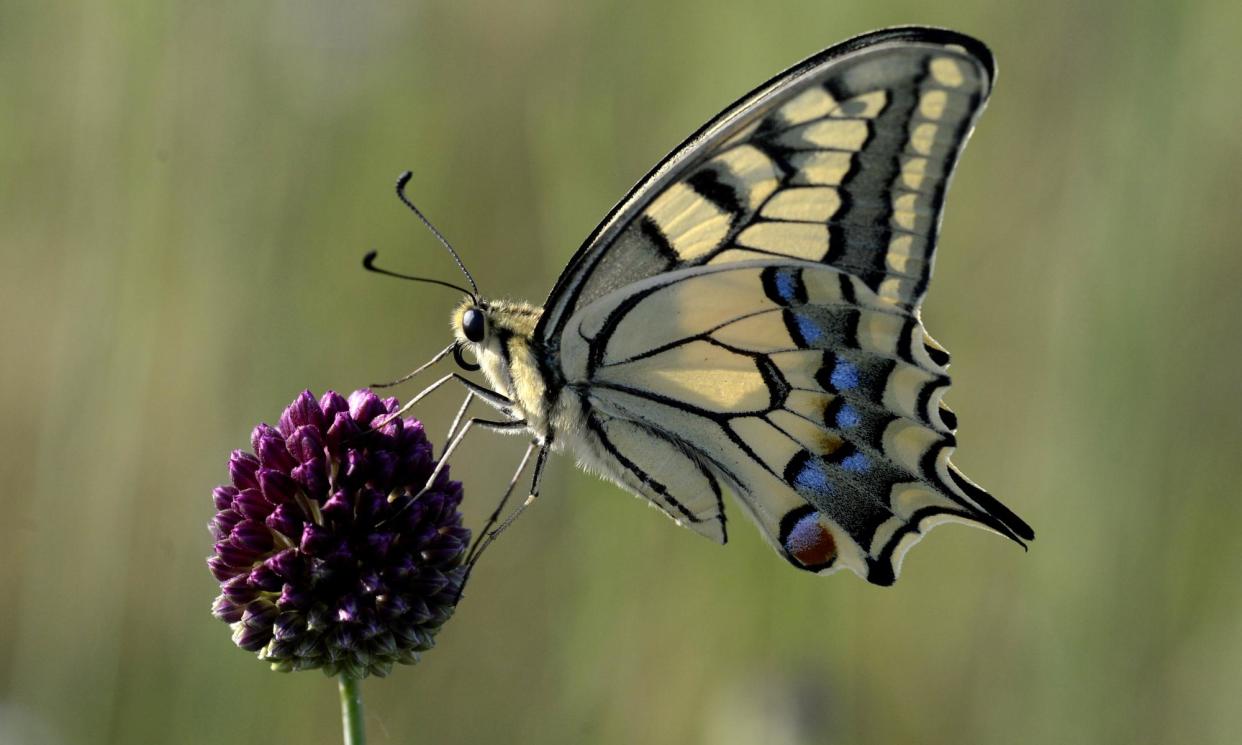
[{"x": 186, "y": 190}]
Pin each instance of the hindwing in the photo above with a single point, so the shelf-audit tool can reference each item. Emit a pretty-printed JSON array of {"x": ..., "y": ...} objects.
[{"x": 797, "y": 385}]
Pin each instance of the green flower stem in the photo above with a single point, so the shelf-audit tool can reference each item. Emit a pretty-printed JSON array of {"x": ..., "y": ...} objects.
[{"x": 351, "y": 711}]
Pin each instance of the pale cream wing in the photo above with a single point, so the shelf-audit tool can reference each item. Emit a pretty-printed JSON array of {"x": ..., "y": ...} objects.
[{"x": 797, "y": 385}]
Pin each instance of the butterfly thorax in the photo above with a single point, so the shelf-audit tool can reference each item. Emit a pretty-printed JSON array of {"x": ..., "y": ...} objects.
[{"x": 507, "y": 356}]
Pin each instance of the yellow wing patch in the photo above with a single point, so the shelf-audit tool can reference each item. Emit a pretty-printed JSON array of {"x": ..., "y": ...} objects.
[
  {"x": 808, "y": 241},
  {"x": 813, "y": 103},
  {"x": 699, "y": 374},
  {"x": 808, "y": 204},
  {"x": 692, "y": 225},
  {"x": 754, "y": 175}
]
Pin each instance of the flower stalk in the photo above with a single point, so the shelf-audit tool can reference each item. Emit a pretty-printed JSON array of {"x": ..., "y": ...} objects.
[{"x": 351, "y": 710}]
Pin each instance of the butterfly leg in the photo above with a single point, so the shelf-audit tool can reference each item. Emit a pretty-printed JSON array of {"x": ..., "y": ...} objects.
[
  {"x": 439, "y": 356},
  {"x": 455, "y": 436},
  {"x": 460, "y": 413},
  {"x": 540, "y": 460},
  {"x": 535, "y": 480},
  {"x": 500, "y": 506},
  {"x": 492, "y": 398},
  {"x": 421, "y": 395},
  {"x": 538, "y": 477},
  {"x": 489, "y": 534},
  {"x": 512, "y": 425}
]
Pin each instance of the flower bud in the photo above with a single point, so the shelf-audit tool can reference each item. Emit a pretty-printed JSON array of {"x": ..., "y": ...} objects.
[{"x": 317, "y": 568}]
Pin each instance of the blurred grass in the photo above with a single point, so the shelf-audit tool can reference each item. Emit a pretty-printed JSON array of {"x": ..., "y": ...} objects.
[{"x": 187, "y": 191}]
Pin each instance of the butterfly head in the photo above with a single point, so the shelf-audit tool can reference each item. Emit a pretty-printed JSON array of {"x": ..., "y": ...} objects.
[
  {"x": 497, "y": 333},
  {"x": 490, "y": 328}
]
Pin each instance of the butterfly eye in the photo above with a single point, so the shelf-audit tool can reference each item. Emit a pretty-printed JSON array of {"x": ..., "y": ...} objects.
[{"x": 473, "y": 325}]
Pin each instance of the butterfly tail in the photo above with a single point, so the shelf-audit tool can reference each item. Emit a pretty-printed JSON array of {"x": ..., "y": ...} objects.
[{"x": 993, "y": 513}]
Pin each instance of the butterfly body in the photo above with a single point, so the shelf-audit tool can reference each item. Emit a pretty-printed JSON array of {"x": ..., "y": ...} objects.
[
  {"x": 509, "y": 358},
  {"x": 747, "y": 318}
]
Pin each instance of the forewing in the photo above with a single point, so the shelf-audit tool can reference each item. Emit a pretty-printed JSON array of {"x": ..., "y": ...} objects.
[{"x": 842, "y": 160}]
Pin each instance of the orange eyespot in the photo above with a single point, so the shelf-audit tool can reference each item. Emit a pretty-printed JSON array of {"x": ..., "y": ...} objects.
[{"x": 806, "y": 540}]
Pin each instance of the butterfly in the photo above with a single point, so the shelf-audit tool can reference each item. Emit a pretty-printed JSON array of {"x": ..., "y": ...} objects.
[{"x": 747, "y": 318}]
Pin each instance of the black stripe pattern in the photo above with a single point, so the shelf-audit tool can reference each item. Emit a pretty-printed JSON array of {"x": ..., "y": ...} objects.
[{"x": 810, "y": 387}]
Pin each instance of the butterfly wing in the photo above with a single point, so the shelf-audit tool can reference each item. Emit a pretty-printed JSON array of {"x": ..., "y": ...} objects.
[
  {"x": 842, "y": 135},
  {"x": 748, "y": 314}
]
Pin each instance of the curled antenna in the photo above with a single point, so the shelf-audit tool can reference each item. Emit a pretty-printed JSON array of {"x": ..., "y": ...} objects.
[
  {"x": 368, "y": 262},
  {"x": 404, "y": 179}
]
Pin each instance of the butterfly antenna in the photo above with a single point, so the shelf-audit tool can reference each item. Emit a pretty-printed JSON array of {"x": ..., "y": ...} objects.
[
  {"x": 401, "y": 184},
  {"x": 368, "y": 263}
]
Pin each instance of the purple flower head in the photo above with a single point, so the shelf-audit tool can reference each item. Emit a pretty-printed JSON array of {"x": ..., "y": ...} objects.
[{"x": 323, "y": 557}]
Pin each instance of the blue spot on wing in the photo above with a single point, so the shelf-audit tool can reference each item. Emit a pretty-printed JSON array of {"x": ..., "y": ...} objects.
[
  {"x": 787, "y": 286},
  {"x": 844, "y": 376},
  {"x": 856, "y": 463},
  {"x": 808, "y": 329},
  {"x": 848, "y": 417},
  {"x": 813, "y": 478}
]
